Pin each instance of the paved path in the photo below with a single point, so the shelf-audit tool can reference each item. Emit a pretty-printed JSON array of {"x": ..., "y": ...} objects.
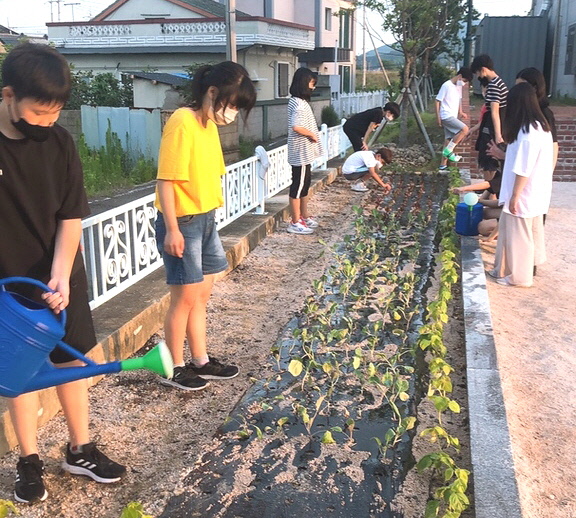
[{"x": 534, "y": 331}]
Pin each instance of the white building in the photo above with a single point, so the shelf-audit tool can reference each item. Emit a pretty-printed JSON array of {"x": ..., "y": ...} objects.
[{"x": 169, "y": 35}]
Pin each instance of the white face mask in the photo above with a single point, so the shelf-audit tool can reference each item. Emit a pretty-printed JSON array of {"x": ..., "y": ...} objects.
[
  {"x": 459, "y": 82},
  {"x": 389, "y": 117},
  {"x": 222, "y": 117}
]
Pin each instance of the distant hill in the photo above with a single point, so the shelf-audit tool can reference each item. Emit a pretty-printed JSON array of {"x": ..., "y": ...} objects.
[{"x": 387, "y": 54}]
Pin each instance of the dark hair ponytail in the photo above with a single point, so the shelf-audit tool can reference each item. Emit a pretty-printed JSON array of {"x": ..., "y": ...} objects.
[{"x": 232, "y": 81}]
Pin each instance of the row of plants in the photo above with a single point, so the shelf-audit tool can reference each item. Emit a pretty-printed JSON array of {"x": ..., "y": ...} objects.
[
  {"x": 354, "y": 357},
  {"x": 449, "y": 499}
]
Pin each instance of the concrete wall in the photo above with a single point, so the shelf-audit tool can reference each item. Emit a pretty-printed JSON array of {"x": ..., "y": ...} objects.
[{"x": 72, "y": 121}]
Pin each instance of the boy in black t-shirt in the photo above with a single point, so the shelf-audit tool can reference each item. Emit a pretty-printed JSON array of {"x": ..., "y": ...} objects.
[
  {"x": 358, "y": 127},
  {"x": 42, "y": 201}
]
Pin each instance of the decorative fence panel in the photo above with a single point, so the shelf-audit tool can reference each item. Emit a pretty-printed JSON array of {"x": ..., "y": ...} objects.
[
  {"x": 120, "y": 246},
  {"x": 349, "y": 104}
]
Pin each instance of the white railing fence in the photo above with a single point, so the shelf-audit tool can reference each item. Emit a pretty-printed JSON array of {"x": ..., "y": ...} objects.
[
  {"x": 120, "y": 246},
  {"x": 349, "y": 104}
]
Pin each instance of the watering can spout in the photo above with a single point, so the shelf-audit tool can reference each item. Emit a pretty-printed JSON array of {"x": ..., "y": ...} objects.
[
  {"x": 157, "y": 360},
  {"x": 29, "y": 331}
]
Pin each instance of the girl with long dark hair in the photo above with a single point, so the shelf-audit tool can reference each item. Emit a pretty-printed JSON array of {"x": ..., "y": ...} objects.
[
  {"x": 188, "y": 193},
  {"x": 526, "y": 189}
]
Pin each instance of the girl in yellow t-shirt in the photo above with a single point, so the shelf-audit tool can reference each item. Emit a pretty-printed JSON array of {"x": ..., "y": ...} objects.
[{"x": 187, "y": 194}]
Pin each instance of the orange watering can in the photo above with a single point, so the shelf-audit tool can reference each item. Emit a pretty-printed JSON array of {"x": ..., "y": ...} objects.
[{"x": 29, "y": 331}]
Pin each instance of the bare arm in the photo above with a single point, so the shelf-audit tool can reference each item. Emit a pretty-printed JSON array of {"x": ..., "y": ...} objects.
[
  {"x": 555, "y": 156},
  {"x": 174, "y": 241},
  {"x": 371, "y": 128},
  {"x": 438, "y": 113},
  {"x": 495, "y": 113},
  {"x": 473, "y": 187},
  {"x": 68, "y": 234},
  {"x": 305, "y": 132},
  {"x": 519, "y": 184},
  {"x": 373, "y": 174}
]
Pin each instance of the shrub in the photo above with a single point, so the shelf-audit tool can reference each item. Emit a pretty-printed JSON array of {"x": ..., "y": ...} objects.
[{"x": 329, "y": 116}]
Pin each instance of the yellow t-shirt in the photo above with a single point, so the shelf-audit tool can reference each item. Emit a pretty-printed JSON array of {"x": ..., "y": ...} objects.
[{"x": 191, "y": 157}]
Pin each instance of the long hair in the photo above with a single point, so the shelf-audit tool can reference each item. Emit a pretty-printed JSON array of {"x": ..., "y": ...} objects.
[
  {"x": 522, "y": 111},
  {"x": 234, "y": 86},
  {"x": 534, "y": 77},
  {"x": 300, "y": 86}
]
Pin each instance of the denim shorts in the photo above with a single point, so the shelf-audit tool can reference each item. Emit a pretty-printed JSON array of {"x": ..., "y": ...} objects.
[{"x": 203, "y": 250}]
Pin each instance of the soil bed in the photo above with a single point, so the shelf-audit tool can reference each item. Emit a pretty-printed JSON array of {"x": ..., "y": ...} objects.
[
  {"x": 327, "y": 433},
  {"x": 177, "y": 466}
]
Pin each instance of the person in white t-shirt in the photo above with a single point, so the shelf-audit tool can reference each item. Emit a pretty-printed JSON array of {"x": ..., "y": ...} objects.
[
  {"x": 526, "y": 189},
  {"x": 449, "y": 112},
  {"x": 363, "y": 165}
]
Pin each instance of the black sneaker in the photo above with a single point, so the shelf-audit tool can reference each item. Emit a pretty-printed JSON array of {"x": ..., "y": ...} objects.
[
  {"x": 29, "y": 485},
  {"x": 184, "y": 378},
  {"x": 93, "y": 463},
  {"x": 215, "y": 370}
]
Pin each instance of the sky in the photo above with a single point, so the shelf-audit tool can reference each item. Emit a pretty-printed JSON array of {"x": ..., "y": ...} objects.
[{"x": 29, "y": 16}]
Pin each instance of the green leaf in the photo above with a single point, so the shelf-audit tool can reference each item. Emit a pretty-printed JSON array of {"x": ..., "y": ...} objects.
[
  {"x": 327, "y": 438},
  {"x": 432, "y": 508},
  {"x": 356, "y": 362},
  {"x": 409, "y": 422},
  {"x": 295, "y": 368},
  {"x": 454, "y": 406},
  {"x": 404, "y": 396},
  {"x": 327, "y": 368},
  {"x": 282, "y": 421}
]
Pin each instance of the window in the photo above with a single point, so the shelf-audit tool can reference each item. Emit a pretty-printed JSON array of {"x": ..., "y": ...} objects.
[
  {"x": 344, "y": 36},
  {"x": 328, "y": 19},
  {"x": 345, "y": 83},
  {"x": 282, "y": 84}
]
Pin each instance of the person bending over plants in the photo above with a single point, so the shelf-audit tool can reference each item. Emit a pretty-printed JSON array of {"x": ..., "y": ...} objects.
[{"x": 363, "y": 165}]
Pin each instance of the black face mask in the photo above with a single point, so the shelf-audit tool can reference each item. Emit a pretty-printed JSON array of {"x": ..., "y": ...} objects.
[{"x": 32, "y": 131}]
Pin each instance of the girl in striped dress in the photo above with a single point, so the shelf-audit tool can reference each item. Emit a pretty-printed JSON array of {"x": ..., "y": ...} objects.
[{"x": 303, "y": 148}]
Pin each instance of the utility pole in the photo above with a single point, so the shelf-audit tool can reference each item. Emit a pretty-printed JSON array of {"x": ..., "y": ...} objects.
[
  {"x": 72, "y": 4},
  {"x": 468, "y": 39},
  {"x": 231, "y": 53},
  {"x": 364, "y": 47}
]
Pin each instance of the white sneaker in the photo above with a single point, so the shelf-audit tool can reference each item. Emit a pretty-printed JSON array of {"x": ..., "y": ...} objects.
[
  {"x": 309, "y": 222},
  {"x": 298, "y": 228},
  {"x": 359, "y": 187}
]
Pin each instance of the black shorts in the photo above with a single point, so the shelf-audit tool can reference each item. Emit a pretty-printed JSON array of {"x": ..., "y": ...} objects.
[
  {"x": 79, "y": 326},
  {"x": 356, "y": 140},
  {"x": 300, "y": 181}
]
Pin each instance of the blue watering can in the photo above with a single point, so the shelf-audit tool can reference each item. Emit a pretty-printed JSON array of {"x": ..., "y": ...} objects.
[{"x": 29, "y": 331}]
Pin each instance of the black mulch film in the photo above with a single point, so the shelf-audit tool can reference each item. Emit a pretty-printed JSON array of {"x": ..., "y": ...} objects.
[{"x": 274, "y": 458}]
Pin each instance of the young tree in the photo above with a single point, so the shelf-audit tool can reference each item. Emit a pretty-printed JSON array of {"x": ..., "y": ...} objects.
[{"x": 417, "y": 26}]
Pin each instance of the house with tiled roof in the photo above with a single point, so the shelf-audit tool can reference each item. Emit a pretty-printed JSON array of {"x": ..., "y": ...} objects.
[{"x": 166, "y": 36}]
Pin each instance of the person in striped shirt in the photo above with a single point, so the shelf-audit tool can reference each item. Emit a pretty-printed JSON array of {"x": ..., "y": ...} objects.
[
  {"x": 495, "y": 101},
  {"x": 303, "y": 148}
]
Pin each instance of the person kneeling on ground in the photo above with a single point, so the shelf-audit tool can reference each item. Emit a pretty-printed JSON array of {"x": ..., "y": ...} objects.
[
  {"x": 363, "y": 165},
  {"x": 488, "y": 227}
]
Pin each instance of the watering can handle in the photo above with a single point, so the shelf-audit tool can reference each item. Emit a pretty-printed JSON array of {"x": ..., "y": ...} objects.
[{"x": 39, "y": 284}]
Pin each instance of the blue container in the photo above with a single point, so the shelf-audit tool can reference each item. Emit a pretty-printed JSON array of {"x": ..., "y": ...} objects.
[
  {"x": 467, "y": 219},
  {"x": 28, "y": 333}
]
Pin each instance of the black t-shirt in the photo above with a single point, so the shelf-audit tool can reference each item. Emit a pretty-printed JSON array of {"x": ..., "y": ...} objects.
[
  {"x": 495, "y": 183},
  {"x": 40, "y": 184},
  {"x": 359, "y": 123}
]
